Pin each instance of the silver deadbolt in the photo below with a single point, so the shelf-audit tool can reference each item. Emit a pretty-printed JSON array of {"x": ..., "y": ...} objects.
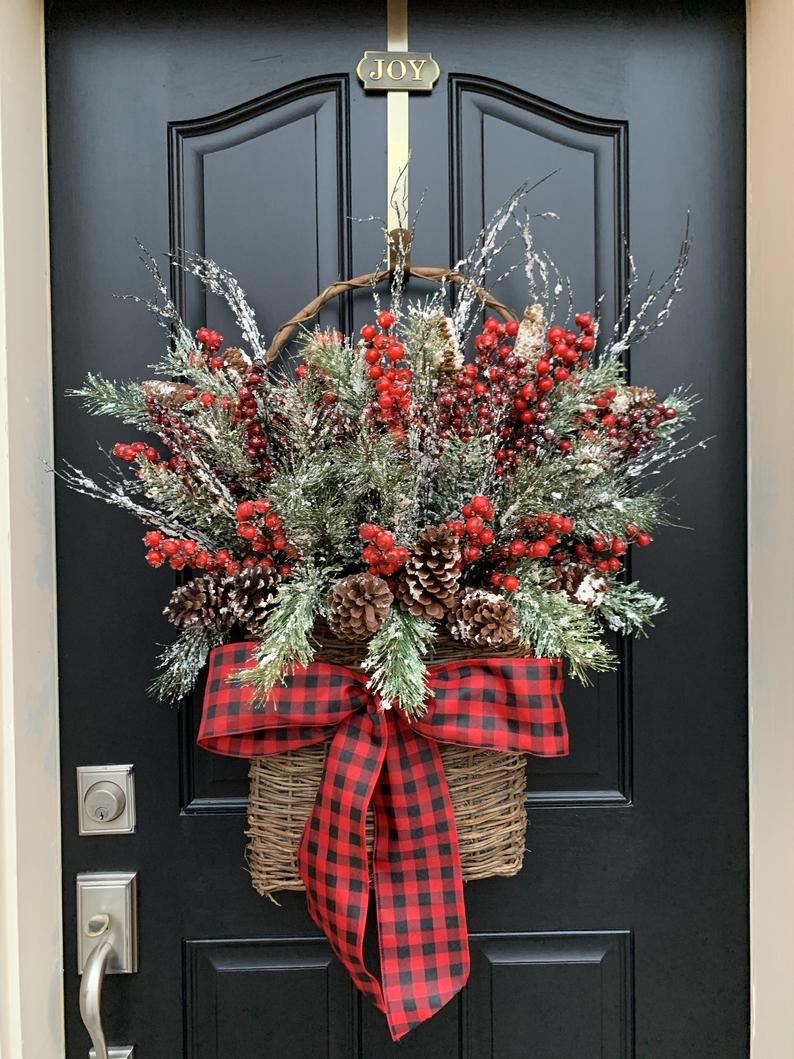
[{"x": 104, "y": 801}]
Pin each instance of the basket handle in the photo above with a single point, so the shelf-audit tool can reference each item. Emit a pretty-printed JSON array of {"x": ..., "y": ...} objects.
[{"x": 435, "y": 275}]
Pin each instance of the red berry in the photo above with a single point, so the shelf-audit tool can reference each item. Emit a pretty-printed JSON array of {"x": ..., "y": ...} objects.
[
  {"x": 372, "y": 356},
  {"x": 176, "y": 563},
  {"x": 545, "y": 384},
  {"x": 207, "y": 399},
  {"x": 619, "y": 547},
  {"x": 517, "y": 549},
  {"x": 643, "y": 539},
  {"x": 384, "y": 539},
  {"x": 153, "y": 538},
  {"x": 245, "y": 511},
  {"x": 539, "y": 550},
  {"x": 511, "y": 328},
  {"x": 496, "y": 579},
  {"x": 395, "y": 352},
  {"x": 555, "y": 334},
  {"x": 584, "y": 320},
  {"x": 481, "y": 505},
  {"x": 169, "y": 548},
  {"x": 486, "y": 536},
  {"x": 510, "y": 583},
  {"x": 471, "y": 553},
  {"x": 246, "y": 531},
  {"x": 367, "y": 531},
  {"x": 586, "y": 343},
  {"x": 285, "y": 570},
  {"x": 385, "y": 320},
  {"x": 155, "y": 557},
  {"x": 542, "y": 367},
  {"x": 474, "y": 526},
  {"x": 368, "y": 332},
  {"x": 613, "y": 564}
]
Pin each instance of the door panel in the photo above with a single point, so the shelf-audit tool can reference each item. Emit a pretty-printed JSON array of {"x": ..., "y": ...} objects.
[{"x": 240, "y": 131}]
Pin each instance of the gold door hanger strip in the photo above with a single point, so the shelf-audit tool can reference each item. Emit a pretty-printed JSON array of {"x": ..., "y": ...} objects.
[{"x": 397, "y": 142}]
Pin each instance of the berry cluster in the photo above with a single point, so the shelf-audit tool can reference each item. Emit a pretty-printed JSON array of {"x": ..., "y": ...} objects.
[
  {"x": 130, "y": 453},
  {"x": 380, "y": 553},
  {"x": 472, "y": 528},
  {"x": 383, "y": 353},
  {"x": 211, "y": 341},
  {"x": 607, "y": 554},
  {"x": 180, "y": 553},
  {"x": 630, "y": 430},
  {"x": 263, "y": 532},
  {"x": 503, "y": 385},
  {"x": 246, "y": 410}
]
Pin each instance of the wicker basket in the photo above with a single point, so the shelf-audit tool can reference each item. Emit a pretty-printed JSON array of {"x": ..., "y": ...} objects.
[{"x": 487, "y": 789}]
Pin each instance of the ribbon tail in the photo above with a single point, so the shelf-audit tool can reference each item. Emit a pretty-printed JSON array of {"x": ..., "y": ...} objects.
[
  {"x": 424, "y": 948},
  {"x": 332, "y": 858}
]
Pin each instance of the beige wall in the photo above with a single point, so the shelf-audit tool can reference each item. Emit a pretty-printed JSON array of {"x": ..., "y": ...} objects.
[
  {"x": 30, "y": 941},
  {"x": 771, "y": 509}
]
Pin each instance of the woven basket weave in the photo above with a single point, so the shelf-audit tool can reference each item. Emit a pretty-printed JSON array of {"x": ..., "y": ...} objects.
[{"x": 487, "y": 789}]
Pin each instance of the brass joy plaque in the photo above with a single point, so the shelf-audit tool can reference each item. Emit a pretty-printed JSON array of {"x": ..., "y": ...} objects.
[{"x": 398, "y": 71}]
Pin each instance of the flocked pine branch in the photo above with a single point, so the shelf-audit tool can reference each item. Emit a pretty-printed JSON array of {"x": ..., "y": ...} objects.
[
  {"x": 125, "y": 401},
  {"x": 551, "y": 626},
  {"x": 286, "y": 638},
  {"x": 627, "y": 608},
  {"x": 181, "y": 663},
  {"x": 395, "y": 662},
  {"x": 220, "y": 282}
]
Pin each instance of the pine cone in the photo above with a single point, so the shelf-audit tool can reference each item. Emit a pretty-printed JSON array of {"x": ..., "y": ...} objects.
[
  {"x": 641, "y": 396},
  {"x": 531, "y": 338},
  {"x": 235, "y": 359},
  {"x": 169, "y": 394},
  {"x": 429, "y": 581},
  {"x": 246, "y": 598},
  {"x": 484, "y": 619},
  {"x": 449, "y": 360},
  {"x": 580, "y": 584},
  {"x": 191, "y": 605},
  {"x": 358, "y": 606}
]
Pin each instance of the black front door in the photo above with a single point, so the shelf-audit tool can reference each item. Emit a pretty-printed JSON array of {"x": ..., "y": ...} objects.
[{"x": 239, "y": 130}]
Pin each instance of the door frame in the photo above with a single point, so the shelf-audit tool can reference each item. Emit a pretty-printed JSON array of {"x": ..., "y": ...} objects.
[{"x": 31, "y": 992}]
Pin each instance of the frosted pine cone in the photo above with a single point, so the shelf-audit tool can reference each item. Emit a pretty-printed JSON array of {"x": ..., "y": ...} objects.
[
  {"x": 483, "y": 619},
  {"x": 580, "y": 584},
  {"x": 358, "y": 605},
  {"x": 235, "y": 359},
  {"x": 631, "y": 397},
  {"x": 531, "y": 338},
  {"x": 429, "y": 581},
  {"x": 247, "y": 597},
  {"x": 169, "y": 394},
  {"x": 191, "y": 606},
  {"x": 449, "y": 360}
]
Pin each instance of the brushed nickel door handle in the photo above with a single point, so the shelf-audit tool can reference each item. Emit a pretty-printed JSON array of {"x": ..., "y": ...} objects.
[{"x": 91, "y": 995}]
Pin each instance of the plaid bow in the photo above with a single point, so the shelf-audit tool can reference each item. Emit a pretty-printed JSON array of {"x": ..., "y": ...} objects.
[{"x": 378, "y": 758}]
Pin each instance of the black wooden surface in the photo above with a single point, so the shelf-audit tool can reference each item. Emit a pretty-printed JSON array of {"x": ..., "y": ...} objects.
[{"x": 238, "y": 129}]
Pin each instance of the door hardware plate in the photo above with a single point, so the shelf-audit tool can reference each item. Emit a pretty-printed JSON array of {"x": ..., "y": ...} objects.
[
  {"x": 113, "y": 894},
  {"x": 116, "y": 1051},
  {"x": 124, "y": 778}
]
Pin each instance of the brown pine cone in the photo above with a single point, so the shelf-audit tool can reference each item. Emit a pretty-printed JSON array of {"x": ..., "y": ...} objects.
[
  {"x": 235, "y": 359},
  {"x": 191, "y": 605},
  {"x": 484, "y": 619},
  {"x": 169, "y": 394},
  {"x": 641, "y": 396},
  {"x": 531, "y": 338},
  {"x": 247, "y": 597},
  {"x": 449, "y": 360},
  {"x": 428, "y": 583},
  {"x": 358, "y": 606},
  {"x": 580, "y": 584}
]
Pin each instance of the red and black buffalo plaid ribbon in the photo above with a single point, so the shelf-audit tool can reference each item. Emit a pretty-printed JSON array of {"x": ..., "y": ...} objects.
[{"x": 379, "y": 758}]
